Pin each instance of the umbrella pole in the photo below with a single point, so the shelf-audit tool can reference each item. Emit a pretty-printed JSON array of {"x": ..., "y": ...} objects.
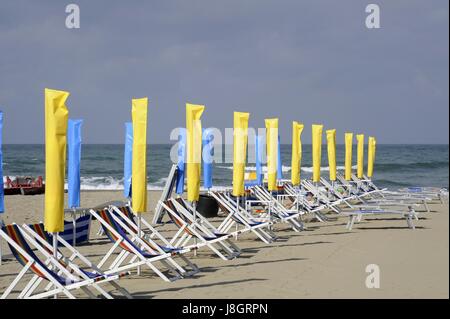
[
  {"x": 74, "y": 223},
  {"x": 55, "y": 251},
  {"x": 139, "y": 217},
  {"x": 1, "y": 252},
  {"x": 194, "y": 207},
  {"x": 237, "y": 212},
  {"x": 270, "y": 211}
]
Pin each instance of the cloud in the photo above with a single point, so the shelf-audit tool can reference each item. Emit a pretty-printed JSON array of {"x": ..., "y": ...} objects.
[{"x": 310, "y": 61}]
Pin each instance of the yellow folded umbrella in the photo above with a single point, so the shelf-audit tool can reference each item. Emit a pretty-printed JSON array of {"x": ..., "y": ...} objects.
[
  {"x": 194, "y": 149},
  {"x": 240, "y": 135},
  {"x": 139, "y": 165},
  {"x": 316, "y": 150},
  {"x": 297, "y": 129},
  {"x": 360, "y": 156},
  {"x": 272, "y": 152},
  {"x": 56, "y": 118},
  {"x": 371, "y": 150},
  {"x": 348, "y": 155},
  {"x": 331, "y": 147}
]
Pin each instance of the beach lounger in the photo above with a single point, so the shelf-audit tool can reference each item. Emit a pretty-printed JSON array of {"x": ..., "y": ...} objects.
[
  {"x": 195, "y": 236},
  {"x": 241, "y": 223},
  {"x": 358, "y": 211},
  {"x": 165, "y": 195},
  {"x": 63, "y": 276},
  {"x": 277, "y": 210},
  {"x": 45, "y": 239},
  {"x": 134, "y": 252},
  {"x": 153, "y": 238}
]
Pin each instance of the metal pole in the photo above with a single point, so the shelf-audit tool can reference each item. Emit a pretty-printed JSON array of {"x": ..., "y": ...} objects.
[
  {"x": 237, "y": 212},
  {"x": 74, "y": 223},
  {"x": 1, "y": 241},
  {"x": 55, "y": 251},
  {"x": 194, "y": 207},
  {"x": 139, "y": 216},
  {"x": 270, "y": 211}
]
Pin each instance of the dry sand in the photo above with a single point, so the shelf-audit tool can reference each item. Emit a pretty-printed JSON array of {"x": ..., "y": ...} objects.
[{"x": 326, "y": 261}]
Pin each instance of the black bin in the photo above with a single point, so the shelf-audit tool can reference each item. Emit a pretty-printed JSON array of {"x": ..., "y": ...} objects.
[{"x": 207, "y": 206}]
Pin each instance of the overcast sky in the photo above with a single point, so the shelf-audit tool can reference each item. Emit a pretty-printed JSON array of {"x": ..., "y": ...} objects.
[{"x": 311, "y": 61}]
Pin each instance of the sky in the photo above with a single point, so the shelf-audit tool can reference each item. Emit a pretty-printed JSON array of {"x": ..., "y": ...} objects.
[{"x": 312, "y": 61}]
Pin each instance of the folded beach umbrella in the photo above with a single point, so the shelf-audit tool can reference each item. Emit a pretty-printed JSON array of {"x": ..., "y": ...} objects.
[
  {"x": 297, "y": 129},
  {"x": 371, "y": 156},
  {"x": 259, "y": 150},
  {"x": 240, "y": 135},
  {"x": 360, "y": 155},
  {"x": 179, "y": 188},
  {"x": 128, "y": 160},
  {"x": 348, "y": 155},
  {"x": 272, "y": 147},
  {"x": 73, "y": 169},
  {"x": 331, "y": 147},
  {"x": 2, "y": 204},
  {"x": 139, "y": 163},
  {"x": 56, "y": 117},
  {"x": 208, "y": 156},
  {"x": 194, "y": 149},
  {"x": 317, "y": 130},
  {"x": 279, "y": 162}
]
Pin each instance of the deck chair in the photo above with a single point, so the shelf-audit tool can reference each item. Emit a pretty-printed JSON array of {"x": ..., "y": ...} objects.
[
  {"x": 134, "y": 252},
  {"x": 407, "y": 195},
  {"x": 241, "y": 222},
  {"x": 369, "y": 196},
  {"x": 45, "y": 239},
  {"x": 356, "y": 213},
  {"x": 153, "y": 238},
  {"x": 276, "y": 209},
  {"x": 237, "y": 217},
  {"x": 299, "y": 197},
  {"x": 63, "y": 276},
  {"x": 195, "y": 236}
]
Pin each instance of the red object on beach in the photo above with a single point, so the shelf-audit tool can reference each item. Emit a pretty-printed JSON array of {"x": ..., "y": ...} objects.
[{"x": 24, "y": 185}]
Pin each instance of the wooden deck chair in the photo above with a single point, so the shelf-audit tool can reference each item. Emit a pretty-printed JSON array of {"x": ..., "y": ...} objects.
[
  {"x": 310, "y": 206},
  {"x": 356, "y": 213},
  {"x": 133, "y": 252},
  {"x": 277, "y": 210},
  {"x": 195, "y": 236},
  {"x": 238, "y": 218},
  {"x": 153, "y": 238},
  {"x": 63, "y": 279},
  {"x": 87, "y": 268},
  {"x": 242, "y": 223}
]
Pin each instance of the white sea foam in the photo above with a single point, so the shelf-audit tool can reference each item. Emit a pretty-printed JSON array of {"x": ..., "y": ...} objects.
[
  {"x": 288, "y": 168},
  {"x": 111, "y": 183}
]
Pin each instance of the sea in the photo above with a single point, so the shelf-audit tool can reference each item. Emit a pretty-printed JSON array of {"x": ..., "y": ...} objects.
[{"x": 396, "y": 166}]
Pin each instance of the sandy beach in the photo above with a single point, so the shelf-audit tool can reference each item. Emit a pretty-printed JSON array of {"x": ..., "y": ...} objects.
[{"x": 325, "y": 261}]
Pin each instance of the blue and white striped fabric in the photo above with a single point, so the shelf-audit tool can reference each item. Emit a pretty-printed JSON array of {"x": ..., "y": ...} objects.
[{"x": 82, "y": 230}]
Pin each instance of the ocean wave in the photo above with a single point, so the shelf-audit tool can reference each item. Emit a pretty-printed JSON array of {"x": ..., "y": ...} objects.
[
  {"x": 289, "y": 168},
  {"x": 396, "y": 166},
  {"x": 111, "y": 183}
]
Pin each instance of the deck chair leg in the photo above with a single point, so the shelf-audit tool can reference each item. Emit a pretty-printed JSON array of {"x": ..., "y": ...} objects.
[
  {"x": 29, "y": 289},
  {"x": 122, "y": 290},
  {"x": 359, "y": 218},
  {"x": 157, "y": 271},
  {"x": 16, "y": 280},
  {"x": 427, "y": 208},
  {"x": 91, "y": 295},
  {"x": 108, "y": 254}
]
